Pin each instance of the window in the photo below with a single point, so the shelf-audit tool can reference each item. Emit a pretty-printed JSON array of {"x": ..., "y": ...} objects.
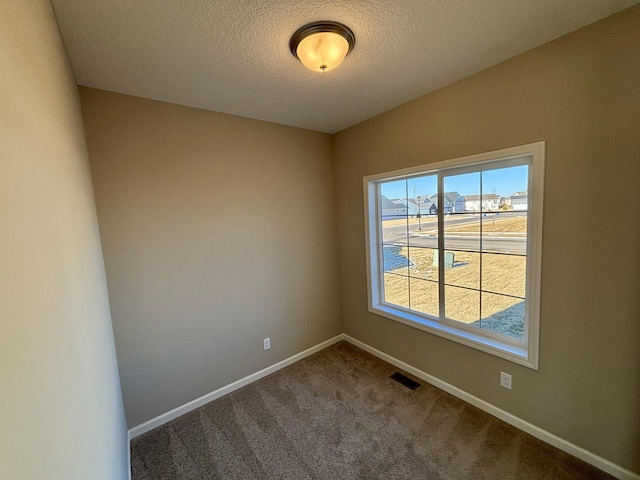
[{"x": 454, "y": 248}]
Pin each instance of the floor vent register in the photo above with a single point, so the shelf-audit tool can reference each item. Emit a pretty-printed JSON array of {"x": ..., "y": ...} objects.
[{"x": 404, "y": 380}]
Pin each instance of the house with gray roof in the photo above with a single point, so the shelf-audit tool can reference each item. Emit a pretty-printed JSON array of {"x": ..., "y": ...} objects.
[
  {"x": 453, "y": 202},
  {"x": 391, "y": 208},
  {"x": 519, "y": 201}
]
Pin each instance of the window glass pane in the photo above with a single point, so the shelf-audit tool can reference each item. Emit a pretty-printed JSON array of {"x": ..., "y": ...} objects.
[
  {"x": 423, "y": 263},
  {"x": 396, "y": 259},
  {"x": 462, "y": 269},
  {"x": 504, "y": 188},
  {"x": 394, "y": 190},
  {"x": 461, "y": 212},
  {"x": 395, "y": 230},
  {"x": 504, "y": 231},
  {"x": 424, "y": 296},
  {"x": 462, "y": 232},
  {"x": 456, "y": 188},
  {"x": 421, "y": 193},
  {"x": 396, "y": 289},
  {"x": 461, "y": 304},
  {"x": 423, "y": 225},
  {"x": 504, "y": 273},
  {"x": 393, "y": 199},
  {"x": 503, "y": 315},
  {"x": 394, "y": 212}
]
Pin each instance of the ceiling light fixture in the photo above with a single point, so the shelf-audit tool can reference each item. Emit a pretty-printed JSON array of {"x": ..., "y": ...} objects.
[{"x": 321, "y": 46}]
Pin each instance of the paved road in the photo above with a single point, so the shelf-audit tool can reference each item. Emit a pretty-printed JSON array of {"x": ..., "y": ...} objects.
[
  {"x": 427, "y": 224},
  {"x": 492, "y": 244},
  {"x": 398, "y": 235},
  {"x": 430, "y": 223}
]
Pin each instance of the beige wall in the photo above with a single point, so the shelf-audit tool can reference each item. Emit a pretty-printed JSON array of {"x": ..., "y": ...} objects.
[
  {"x": 218, "y": 231},
  {"x": 61, "y": 410},
  {"x": 581, "y": 94}
]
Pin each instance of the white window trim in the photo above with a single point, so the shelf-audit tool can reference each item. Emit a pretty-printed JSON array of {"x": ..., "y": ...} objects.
[{"x": 521, "y": 352}]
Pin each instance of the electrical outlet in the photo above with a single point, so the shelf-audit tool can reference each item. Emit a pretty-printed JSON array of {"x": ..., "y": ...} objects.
[
  {"x": 266, "y": 343},
  {"x": 505, "y": 380}
]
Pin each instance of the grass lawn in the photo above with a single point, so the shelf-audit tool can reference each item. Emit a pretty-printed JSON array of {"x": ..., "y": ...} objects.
[
  {"x": 503, "y": 224},
  {"x": 429, "y": 221},
  {"x": 500, "y": 274}
]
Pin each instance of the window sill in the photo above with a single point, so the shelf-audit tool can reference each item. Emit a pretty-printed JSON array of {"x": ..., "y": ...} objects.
[{"x": 494, "y": 346}]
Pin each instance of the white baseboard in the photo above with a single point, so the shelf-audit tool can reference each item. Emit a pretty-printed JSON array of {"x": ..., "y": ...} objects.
[
  {"x": 209, "y": 397},
  {"x": 547, "y": 437}
]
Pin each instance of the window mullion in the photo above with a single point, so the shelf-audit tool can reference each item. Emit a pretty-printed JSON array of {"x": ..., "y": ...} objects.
[
  {"x": 440, "y": 246},
  {"x": 406, "y": 199},
  {"x": 480, "y": 253}
]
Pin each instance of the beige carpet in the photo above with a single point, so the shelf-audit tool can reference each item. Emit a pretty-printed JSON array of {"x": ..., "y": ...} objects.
[{"x": 338, "y": 415}]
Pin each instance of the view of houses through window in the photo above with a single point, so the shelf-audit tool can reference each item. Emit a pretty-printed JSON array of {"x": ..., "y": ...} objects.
[{"x": 484, "y": 228}]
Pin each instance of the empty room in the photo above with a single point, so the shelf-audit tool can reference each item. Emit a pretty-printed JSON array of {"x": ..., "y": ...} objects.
[{"x": 264, "y": 239}]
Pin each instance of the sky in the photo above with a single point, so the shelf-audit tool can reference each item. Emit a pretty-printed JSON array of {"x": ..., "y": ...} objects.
[{"x": 503, "y": 182}]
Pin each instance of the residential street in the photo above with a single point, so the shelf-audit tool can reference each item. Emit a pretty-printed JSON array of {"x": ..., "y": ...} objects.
[{"x": 398, "y": 235}]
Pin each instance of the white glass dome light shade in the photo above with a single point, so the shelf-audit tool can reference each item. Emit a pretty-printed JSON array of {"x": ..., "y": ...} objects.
[
  {"x": 322, "y": 46},
  {"x": 322, "y": 51}
]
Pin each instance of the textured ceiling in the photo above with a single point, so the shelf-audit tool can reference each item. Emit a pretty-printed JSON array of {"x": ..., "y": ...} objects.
[{"x": 233, "y": 56}]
